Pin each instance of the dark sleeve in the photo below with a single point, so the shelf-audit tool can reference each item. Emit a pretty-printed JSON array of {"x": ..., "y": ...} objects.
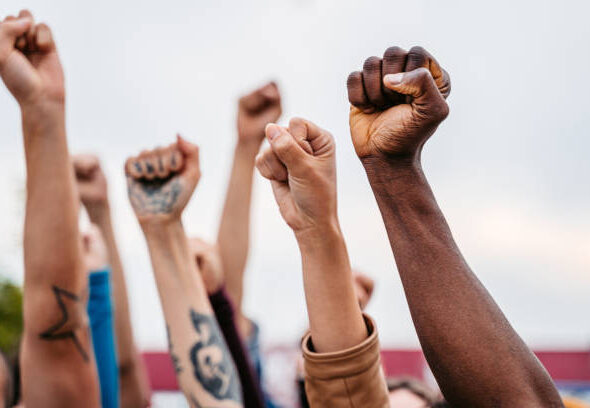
[{"x": 224, "y": 312}]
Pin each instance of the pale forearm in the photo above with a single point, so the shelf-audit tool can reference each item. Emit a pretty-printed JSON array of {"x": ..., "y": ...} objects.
[
  {"x": 51, "y": 240},
  {"x": 189, "y": 317},
  {"x": 335, "y": 318},
  {"x": 459, "y": 325},
  {"x": 234, "y": 230}
]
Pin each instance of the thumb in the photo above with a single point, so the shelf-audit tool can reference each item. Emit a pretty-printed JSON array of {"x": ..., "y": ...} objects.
[
  {"x": 284, "y": 145},
  {"x": 420, "y": 85},
  {"x": 190, "y": 152},
  {"x": 10, "y": 30}
]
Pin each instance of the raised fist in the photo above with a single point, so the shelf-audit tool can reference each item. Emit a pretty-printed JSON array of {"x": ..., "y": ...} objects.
[
  {"x": 301, "y": 166},
  {"x": 161, "y": 181},
  {"x": 397, "y": 103},
  {"x": 256, "y": 110},
  {"x": 92, "y": 184},
  {"x": 208, "y": 260},
  {"x": 29, "y": 64}
]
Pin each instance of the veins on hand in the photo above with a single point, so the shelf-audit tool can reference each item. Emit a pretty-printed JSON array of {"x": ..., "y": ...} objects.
[{"x": 61, "y": 330}]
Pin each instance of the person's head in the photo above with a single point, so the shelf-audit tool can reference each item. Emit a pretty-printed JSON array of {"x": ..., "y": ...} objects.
[
  {"x": 410, "y": 393},
  {"x": 6, "y": 383},
  {"x": 363, "y": 287}
]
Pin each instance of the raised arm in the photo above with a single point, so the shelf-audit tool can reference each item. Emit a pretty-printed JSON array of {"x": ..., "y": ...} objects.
[
  {"x": 209, "y": 264},
  {"x": 301, "y": 166},
  {"x": 475, "y": 355},
  {"x": 92, "y": 187},
  {"x": 160, "y": 184},
  {"x": 57, "y": 361},
  {"x": 255, "y": 110}
]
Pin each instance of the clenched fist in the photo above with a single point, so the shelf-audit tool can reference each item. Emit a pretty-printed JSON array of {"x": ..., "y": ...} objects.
[
  {"x": 29, "y": 64},
  {"x": 92, "y": 184},
  {"x": 301, "y": 165},
  {"x": 397, "y": 101},
  {"x": 161, "y": 181},
  {"x": 256, "y": 110}
]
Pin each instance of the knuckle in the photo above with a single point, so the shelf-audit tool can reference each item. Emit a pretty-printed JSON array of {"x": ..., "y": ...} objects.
[
  {"x": 353, "y": 78},
  {"x": 372, "y": 64},
  {"x": 393, "y": 54}
]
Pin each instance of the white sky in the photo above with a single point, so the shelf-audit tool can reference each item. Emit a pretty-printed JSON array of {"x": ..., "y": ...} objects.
[{"x": 509, "y": 166}]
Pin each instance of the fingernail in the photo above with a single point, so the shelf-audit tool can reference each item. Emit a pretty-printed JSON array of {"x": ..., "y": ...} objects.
[
  {"x": 394, "y": 79},
  {"x": 272, "y": 131}
]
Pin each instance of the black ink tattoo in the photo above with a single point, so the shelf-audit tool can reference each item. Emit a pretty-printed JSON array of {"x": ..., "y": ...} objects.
[
  {"x": 57, "y": 331},
  {"x": 155, "y": 196},
  {"x": 212, "y": 363},
  {"x": 149, "y": 168},
  {"x": 173, "y": 356}
]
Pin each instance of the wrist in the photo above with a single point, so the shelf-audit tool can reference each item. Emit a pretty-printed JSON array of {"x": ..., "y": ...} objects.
[
  {"x": 249, "y": 147},
  {"x": 319, "y": 236},
  {"x": 39, "y": 109},
  {"x": 99, "y": 212},
  {"x": 383, "y": 171},
  {"x": 159, "y": 228}
]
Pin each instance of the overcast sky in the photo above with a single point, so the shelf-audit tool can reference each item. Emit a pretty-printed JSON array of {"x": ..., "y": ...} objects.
[{"x": 509, "y": 166}]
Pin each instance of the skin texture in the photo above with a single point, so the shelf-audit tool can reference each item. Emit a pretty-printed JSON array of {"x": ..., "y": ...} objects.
[
  {"x": 460, "y": 327},
  {"x": 406, "y": 399},
  {"x": 94, "y": 249},
  {"x": 363, "y": 287},
  {"x": 160, "y": 184},
  {"x": 57, "y": 366},
  {"x": 255, "y": 110},
  {"x": 301, "y": 166},
  {"x": 209, "y": 263},
  {"x": 93, "y": 191}
]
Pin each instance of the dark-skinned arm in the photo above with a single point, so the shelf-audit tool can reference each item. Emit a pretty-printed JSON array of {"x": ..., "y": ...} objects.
[{"x": 475, "y": 355}]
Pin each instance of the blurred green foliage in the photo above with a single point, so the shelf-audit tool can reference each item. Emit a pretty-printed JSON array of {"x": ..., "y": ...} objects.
[{"x": 11, "y": 316}]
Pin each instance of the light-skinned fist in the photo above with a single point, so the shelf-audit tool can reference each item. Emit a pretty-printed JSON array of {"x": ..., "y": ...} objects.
[
  {"x": 161, "y": 181},
  {"x": 255, "y": 111},
  {"x": 301, "y": 166},
  {"x": 90, "y": 179},
  {"x": 29, "y": 64}
]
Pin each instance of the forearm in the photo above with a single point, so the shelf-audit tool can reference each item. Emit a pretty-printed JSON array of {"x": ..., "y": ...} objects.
[
  {"x": 224, "y": 313},
  {"x": 335, "y": 318},
  {"x": 234, "y": 229},
  {"x": 51, "y": 241},
  {"x": 133, "y": 379},
  {"x": 460, "y": 327},
  {"x": 56, "y": 337},
  {"x": 192, "y": 328}
]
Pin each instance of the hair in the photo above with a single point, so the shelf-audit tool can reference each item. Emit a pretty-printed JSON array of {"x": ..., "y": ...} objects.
[{"x": 417, "y": 388}]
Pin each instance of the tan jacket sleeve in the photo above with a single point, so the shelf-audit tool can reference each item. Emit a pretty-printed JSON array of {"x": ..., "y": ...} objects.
[{"x": 350, "y": 378}]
